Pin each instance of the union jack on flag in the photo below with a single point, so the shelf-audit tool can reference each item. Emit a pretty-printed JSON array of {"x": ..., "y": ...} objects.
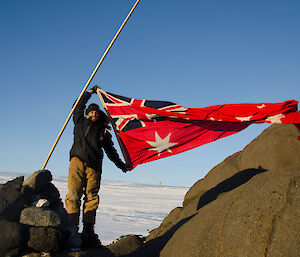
[
  {"x": 127, "y": 114},
  {"x": 151, "y": 130}
]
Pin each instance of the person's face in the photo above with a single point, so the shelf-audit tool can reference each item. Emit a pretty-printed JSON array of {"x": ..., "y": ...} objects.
[{"x": 94, "y": 116}]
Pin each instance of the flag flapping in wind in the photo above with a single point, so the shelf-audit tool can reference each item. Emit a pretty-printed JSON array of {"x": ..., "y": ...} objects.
[{"x": 152, "y": 130}]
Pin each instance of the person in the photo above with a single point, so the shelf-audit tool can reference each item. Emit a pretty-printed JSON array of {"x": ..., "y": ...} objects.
[{"x": 90, "y": 137}]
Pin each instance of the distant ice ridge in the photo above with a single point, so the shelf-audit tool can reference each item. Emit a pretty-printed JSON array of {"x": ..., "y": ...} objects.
[{"x": 125, "y": 208}]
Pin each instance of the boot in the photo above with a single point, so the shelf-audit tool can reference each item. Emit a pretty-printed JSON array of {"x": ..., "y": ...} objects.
[
  {"x": 88, "y": 236},
  {"x": 89, "y": 217},
  {"x": 88, "y": 229},
  {"x": 74, "y": 218}
]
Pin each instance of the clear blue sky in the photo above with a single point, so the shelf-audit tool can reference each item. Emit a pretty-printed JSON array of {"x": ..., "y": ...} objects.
[{"x": 194, "y": 53}]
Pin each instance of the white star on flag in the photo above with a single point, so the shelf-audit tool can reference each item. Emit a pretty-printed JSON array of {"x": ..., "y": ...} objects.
[
  {"x": 244, "y": 118},
  {"x": 161, "y": 144},
  {"x": 261, "y": 106},
  {"x": 276, "y": 118}
]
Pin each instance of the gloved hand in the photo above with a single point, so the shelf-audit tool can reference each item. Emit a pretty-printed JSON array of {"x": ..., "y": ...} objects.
[
  {"x": 125, "y": 167},
  {"x": 93, "y": 90}
]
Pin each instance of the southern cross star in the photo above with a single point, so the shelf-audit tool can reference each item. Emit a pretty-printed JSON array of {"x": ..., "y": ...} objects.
[
  {"x": 276, "y": 118},
  {"x": 161, "y": 144},
  {"x": 244, "y": 118}
]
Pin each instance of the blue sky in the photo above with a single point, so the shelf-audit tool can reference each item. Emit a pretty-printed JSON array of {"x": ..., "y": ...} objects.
[{"x": 194, "y": 53}]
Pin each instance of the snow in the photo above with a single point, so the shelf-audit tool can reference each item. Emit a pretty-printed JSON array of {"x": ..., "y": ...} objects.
[{"x": 125, "y": 208}]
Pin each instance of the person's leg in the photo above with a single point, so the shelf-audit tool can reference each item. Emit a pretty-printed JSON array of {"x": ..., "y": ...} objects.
[
  {"x": 90, "y": 205},
  {"x": 76, "y": 181},
  {"x": 91, "y": 200}
]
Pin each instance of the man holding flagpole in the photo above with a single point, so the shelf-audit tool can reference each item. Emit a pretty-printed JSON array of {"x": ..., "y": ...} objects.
[{"x": 90, "y": 137}]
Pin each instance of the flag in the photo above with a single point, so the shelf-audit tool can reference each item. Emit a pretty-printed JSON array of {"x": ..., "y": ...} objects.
[{"x": 151, "y": 130}]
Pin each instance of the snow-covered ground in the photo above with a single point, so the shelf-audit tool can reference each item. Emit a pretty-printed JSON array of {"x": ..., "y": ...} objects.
[{"x": 126, "y": 208}]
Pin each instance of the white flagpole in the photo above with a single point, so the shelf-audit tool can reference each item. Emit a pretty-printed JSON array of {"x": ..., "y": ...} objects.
[{"x": 87, "y": 84}]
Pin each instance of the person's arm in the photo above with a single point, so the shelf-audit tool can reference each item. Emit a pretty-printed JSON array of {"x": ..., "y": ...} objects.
[
  {"x": 112, "y": 153},
  {"x": 79, "y": 110}
]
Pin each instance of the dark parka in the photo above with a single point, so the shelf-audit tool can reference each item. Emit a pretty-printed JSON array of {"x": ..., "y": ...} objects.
[{"x": 90, "y": 138}]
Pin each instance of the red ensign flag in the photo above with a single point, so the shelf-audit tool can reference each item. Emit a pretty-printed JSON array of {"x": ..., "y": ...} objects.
[{"x": 152, "y": 130}]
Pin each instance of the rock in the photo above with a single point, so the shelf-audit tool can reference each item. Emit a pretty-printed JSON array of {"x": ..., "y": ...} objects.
[
  {"x": 248, "y": 205},
  {"x": 13, "y": 199},
  {"x": 125, "y": 245},
  {"x": 222, "y": 171},
  {"x": 48, "y": 229},
  {"x": 276, "y": 148},
  {"x": 92, "y": 252},
  {"x": 35, "y": 254},
  {"x": 169, "y": 221},
  {"x": 244, "y": 222},
  {"x": 35, "y": 216},
  {"x": 50, "y": 193},
  {"x": 13, "y": 238},
  {"x": 46, "y": 239},
  {"x": 39, "y": 180}
]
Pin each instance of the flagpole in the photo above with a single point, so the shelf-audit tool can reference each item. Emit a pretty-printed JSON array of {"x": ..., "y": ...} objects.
[
  {"x": 121, "y": 144},
  {"x": 87, "y": 84}
]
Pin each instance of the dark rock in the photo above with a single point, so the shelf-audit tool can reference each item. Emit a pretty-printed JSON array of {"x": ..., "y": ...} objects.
[
  {"x": 92, "y": 252},
  {"x": 35, "y": 216},
  {"x": 50, "y": 193},
  {"x": 169, "y": 221},
  {"x": 13, "y": 238},
  {"x": 90, "y": 241},
  {"x": 248, "y": 205},
  {"x": 277, "y": 148},
  {"x": 38, "y": 181},
  {"x": 35, "y": 254},
  {"x": 125, "y": 245},
  {"x": 46, "y": 239},
  {"x": 13, "y": 198}
]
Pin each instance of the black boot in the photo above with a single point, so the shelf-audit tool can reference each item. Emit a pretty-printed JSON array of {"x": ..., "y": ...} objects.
[
  {"x": 89, "y": 217},
  {"x": 88, "y": 229},
  {"x": 74, "y": 218},
  {"x": 88, "y": 236}
]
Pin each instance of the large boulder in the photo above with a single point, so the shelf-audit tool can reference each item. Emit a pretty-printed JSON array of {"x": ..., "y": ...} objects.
[
  {"x": 38, "y": 181},
  {"x": 40, "y": 217},
  {"x": 50, "y": 193},
  {"x": 125, "y": 245},
  {"x": 13, "y": 238},
  {"x": 248, "y": 205},
  {"x": 13, "y": 199},
  {"x": 42, "y": 227},
  {"x": 46, "y": 239},
  {"x": 277, "y": 148}
]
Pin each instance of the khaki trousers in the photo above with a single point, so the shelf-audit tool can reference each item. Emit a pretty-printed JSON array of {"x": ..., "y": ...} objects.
[{"x": 82, "y": 180}]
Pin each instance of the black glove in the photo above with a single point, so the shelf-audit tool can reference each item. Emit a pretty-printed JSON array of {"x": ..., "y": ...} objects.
[
  {"x": 93, "y": 90},
  {"x": 125, "y": 167}
]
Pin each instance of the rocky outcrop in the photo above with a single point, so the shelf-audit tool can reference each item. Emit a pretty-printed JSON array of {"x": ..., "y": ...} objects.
[
  {"x": 125, "y": 245},
  {"x": 13, "y": 237},
  {"x": 33, "y": 217},
  {"x": 40, "y": 217},
  {"x": 248, "y": 205},
  {"x": 38, "y": 181},
  {"x": 46, "y": 239},
  {"x": 13, "y": 197}
]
